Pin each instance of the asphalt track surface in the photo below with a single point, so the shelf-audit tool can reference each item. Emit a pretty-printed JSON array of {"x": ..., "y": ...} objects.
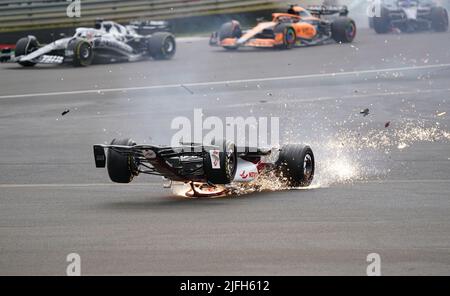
[{"x": 390, "y": 198}]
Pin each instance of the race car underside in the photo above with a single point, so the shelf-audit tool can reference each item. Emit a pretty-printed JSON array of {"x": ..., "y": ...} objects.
[
  {"x": 209, "y": 170},
  {"x": 150, "y": 160},
  {"x": 184, "y": 163}
]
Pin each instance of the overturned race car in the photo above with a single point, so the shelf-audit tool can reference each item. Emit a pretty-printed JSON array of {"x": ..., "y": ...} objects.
[
  {"x": 298, "y": 27},
  {"x": 107, "y": 42},
  {"x": 209, "y": 170}
]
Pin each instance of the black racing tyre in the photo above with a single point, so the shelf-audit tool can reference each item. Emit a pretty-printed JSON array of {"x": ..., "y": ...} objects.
[
  {"x": 219, "y": 165},
  {"x": 230, "y": 30},
  {"x": 121, "y": 168},
  {"x": 382, "y": 23},
  {"x": 296, "y": 165},
  {"x": 82, "y": 53},
  {"x": 24, "y": 46},
  {"x": 439, "y": 19},
  {"x": 343, "y": 30},
  {"x": 162, "y": 45},
  {"x": 289, "y": 36},
  {"x": 371, "y": 22}
]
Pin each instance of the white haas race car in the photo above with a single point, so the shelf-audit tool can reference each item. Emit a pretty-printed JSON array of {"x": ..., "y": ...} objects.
[
  {"x": 107, "y": 42},
  {"x": 210, "y": 170},
  {"x": 408, "y": 16}
]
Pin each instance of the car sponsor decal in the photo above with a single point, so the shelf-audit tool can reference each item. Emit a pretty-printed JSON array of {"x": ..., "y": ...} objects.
[
  {"x": 244, "y": 175},
  {"x": 51, "y": 59},
  {"x": 215, "y": 159},
  {"x": 112, "y": 44}
]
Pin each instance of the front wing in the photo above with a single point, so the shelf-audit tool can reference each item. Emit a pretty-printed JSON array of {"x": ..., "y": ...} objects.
[{"x": 264, "y": 42}]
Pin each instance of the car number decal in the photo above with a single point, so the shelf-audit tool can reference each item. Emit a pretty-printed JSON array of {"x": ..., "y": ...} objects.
[{"x": 215, "y": 159}]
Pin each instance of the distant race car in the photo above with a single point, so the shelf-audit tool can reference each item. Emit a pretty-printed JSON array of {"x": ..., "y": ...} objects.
[
  {"x": 107, "y": 42},
  {"x": 210, "y": 170},
  {"x": 409, "y": 16},
  {"x": 297, "y": 27}
]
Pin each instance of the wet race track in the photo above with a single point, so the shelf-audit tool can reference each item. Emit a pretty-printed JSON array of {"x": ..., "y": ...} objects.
[{"x": 377, "y": 189}]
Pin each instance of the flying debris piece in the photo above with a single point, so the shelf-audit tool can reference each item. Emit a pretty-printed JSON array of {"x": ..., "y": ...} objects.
[
  {"x": 402, "y": 146},
  {"x": 387, "y": 124},
  {"x": 364, "y": 112},
  {"x": 65, "y": 112},
  {"x": 441, "y": 114}
]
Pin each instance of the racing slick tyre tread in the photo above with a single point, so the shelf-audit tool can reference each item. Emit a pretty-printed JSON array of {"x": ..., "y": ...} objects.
[
  {"x": 25, "y": 46},
  {"x": 162, "y": 45},
  {"x": 83, "y": 54},
  {"x": 439, "y": 19},
  {"x": 289, "y": 36},
  {"x": 230, "y": 30},
  {"x": 296, "y": 165},
  {"x": 121, "y": 168},
  {"x": 343, "y": 30},
  {"x": 382, "y": 23},
  {"x": 227, "y": 159}
]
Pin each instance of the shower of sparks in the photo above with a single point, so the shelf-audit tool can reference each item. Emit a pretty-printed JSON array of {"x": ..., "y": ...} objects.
[{"x": 350, "y": 155}]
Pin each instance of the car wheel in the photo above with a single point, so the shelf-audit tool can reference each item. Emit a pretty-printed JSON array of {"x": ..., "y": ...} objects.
[
  {"x": 162, "y": 46},
  {"x": 382, "y": 23},
  {"x": 296, "y": 165},
  {"x": 439, "y": 19},
  {"x": 289, "y": 36},
  {"x": 121, "y": 167},
  {"x": 82, "y": 54},
  {"x": 230, "y": 30},
  {"x": 24, "y": 46},
  {"x": 219, "y": 165},
  {"x": 343, "y": 30}
]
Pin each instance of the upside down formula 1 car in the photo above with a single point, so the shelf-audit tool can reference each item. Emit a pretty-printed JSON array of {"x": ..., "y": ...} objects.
[
  {"x": 107, "y": 42},
  {"x": 409, "y": 16},
  {"x": 297, "y": 27},
  {"x": 210, "y": 170}
]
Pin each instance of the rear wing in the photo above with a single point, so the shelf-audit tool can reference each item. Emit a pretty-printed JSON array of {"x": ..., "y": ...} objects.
[
  {"x": 328, "y": 10},
  {"x": 135, "y": 151},
  {"x": 147, "y": 27}
]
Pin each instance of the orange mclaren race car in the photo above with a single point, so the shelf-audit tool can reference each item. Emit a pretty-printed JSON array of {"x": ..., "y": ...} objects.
[{"x": 297, "y": 27}]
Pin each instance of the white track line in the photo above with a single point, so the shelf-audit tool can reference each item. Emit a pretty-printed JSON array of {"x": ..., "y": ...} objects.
[
  {"x": 6, "y": 186},
  {"x": 295, "y": 100},
  {"x": 344, "y": 97},
  {"x": 209, "y": 83},
  {"x": 405, "y": 181},
  {"x": 78, "y": 185}
]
